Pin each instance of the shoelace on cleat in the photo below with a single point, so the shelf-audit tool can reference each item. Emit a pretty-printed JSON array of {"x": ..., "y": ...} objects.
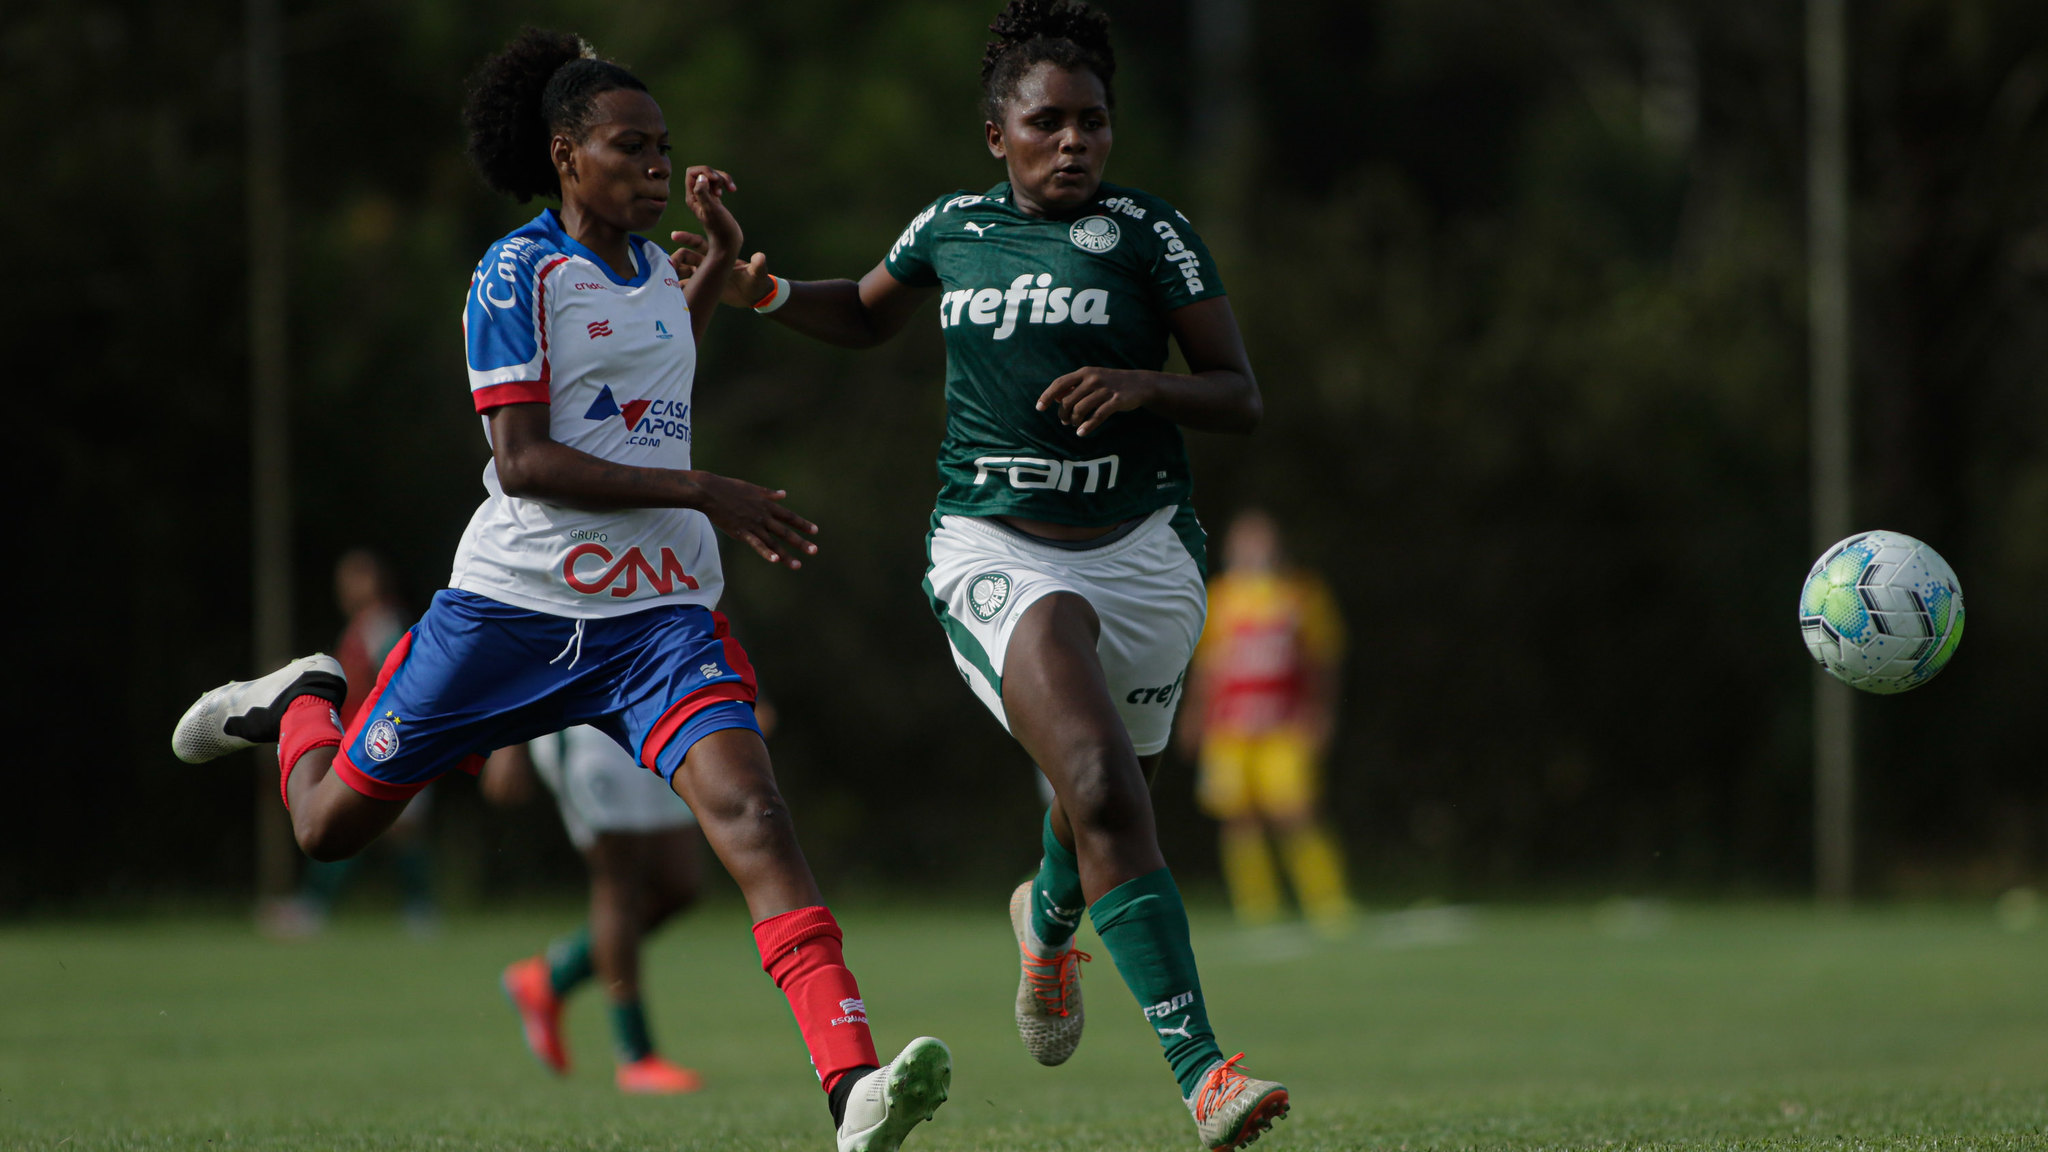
[
  {"x": 1222, "y": 1086},
  {"x": 1051, "y": 988}
]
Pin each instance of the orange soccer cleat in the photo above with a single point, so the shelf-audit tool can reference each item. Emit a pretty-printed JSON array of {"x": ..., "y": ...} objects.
[
  {"x": 652, "y": 1076},
  {"x": 1231, "y": 1109},
  {"x": 1049, "y": 1016},
  {"x": 526, "y": 984}
]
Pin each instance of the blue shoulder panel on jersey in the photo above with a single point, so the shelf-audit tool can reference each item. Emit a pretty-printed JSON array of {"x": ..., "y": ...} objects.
[{"x": 503, "y": 329}]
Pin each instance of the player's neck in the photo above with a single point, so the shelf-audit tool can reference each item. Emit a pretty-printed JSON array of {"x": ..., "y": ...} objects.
[{"x": 606, "y": 242}]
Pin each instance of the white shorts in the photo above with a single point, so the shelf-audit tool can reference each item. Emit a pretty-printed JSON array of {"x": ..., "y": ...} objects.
[
  {"x": 600, "y": 789},
  {"x": 1146, "y": 588}
]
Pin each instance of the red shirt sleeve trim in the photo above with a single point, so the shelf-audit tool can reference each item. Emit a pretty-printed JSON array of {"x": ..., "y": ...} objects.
[{"x": 517, "y": 392}]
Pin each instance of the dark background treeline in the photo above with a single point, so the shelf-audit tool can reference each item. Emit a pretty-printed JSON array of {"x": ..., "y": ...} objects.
[{"x": 1524, "y": 283}]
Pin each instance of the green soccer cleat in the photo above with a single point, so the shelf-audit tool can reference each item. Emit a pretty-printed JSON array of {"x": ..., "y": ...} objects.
[
  {"x": 1231, "y": 1109},
  {"x": 888, "y": 1102},
  {"x": 1049, "y": 1016}
]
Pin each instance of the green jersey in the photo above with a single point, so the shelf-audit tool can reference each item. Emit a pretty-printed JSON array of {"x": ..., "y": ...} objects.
[{"x": 1029, "y": 299}]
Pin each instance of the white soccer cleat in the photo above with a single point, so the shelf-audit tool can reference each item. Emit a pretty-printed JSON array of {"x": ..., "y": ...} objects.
[
  {"x": 244, "y": 713},
  {"x": 1232, "y": 1109},
  {"x": 1049, "y": 1016},
  {"x": 888, "y": 1102}
]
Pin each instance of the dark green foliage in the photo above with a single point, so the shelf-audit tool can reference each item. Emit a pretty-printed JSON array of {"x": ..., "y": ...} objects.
[{"x": 1523, "y": 283}]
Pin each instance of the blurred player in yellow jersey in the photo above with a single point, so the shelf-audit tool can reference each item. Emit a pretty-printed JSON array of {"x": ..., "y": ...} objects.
[{"x": 1263, "y": 695}]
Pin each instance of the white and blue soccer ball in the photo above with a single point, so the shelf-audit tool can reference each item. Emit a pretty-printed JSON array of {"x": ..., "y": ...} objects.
[{"x": 1882, "y": 612}]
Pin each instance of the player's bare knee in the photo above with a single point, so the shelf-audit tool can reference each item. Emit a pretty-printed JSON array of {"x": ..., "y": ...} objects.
[
  {"x": 1105, "y": 794},
  {"x": 749, "y": 822}
]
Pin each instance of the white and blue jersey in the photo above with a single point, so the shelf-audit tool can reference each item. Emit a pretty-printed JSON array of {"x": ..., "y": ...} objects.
[
  {"x": 557, "y": 617},
  {"x": 548, "y": 322}
]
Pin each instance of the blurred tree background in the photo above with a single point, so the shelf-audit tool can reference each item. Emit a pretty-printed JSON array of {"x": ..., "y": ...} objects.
[{"x": 1523, "y": 282}]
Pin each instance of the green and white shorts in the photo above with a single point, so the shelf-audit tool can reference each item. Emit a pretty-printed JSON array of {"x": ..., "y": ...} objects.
[
  {"x": 1145, "y": 585},
  {"x": 600, "y": 789}
]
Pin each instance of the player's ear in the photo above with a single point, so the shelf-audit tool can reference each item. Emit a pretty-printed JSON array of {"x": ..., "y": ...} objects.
[
  {"x": 994, "y": 132},
  {"x": 562, "y": 151}
]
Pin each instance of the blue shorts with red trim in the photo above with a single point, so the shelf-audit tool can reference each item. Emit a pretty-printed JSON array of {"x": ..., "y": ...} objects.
[{"x": 475, "y": 675}]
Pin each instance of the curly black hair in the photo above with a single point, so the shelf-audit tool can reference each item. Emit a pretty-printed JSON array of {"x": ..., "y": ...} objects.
[
  {"x": 543, "y": 84},
  {"x": 1066, "y": 33}
]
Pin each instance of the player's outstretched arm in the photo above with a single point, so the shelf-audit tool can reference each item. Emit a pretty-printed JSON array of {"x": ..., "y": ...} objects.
[
  {"x": 842, "y": 312},
  {"x": 1218, "y": 393},
  {"x": 533, "y": 465}
]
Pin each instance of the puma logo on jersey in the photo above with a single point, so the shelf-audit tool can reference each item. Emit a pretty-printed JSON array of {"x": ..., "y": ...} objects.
[
  {"x": 1004, "y": 307},
  {"x": 977, "y": 229}
]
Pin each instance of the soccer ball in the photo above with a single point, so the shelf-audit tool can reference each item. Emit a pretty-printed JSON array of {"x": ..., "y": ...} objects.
[{"x": 1882, "y": 612}]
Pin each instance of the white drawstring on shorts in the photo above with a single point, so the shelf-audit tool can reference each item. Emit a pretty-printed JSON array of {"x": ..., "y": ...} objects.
[{"x": 576, "y": 642}]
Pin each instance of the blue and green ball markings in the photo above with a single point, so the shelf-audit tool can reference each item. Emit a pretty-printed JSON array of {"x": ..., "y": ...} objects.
[{"x": 1881, "y": 611}]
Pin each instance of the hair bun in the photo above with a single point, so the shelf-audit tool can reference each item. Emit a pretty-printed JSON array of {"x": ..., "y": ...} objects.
[
  {"x": 1068, "y": 33},
  {"x": 541, "y": 82}
]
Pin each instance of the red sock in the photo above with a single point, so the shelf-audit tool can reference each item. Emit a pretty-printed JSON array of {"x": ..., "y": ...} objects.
[
  {"x": 800, "y": 950},
  {"x": 309, "y": 722}
]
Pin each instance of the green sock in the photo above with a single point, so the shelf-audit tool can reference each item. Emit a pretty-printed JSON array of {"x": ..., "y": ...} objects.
[
  {"x": 1056, "y": 903},
  {"x": 629, "y": 1032},
  {"x": 1145, "y": 928},
  {"x": 569, "y": 962}
]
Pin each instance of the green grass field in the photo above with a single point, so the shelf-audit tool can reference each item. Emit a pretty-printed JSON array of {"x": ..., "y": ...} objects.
[{"x": 1485, "y": 1028}]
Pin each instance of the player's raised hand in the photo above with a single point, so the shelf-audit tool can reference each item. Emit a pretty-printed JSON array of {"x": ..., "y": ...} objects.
[
  {"x": 1086, "y": 397},
  {"x": 756, "y": 516},
  {"x": 746, "y": 283},
  {"x": 704, "y": 190}
]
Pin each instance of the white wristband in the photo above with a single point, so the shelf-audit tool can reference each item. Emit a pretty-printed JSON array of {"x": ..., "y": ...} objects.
[{"x": 778, "y": 295}]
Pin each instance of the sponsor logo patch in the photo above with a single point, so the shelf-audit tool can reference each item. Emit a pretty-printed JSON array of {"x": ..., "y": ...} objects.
[
  {"x": 987, "y": 595},
  {"x": 1094, "y": 234},
  {"x": 1037, "y": 472},
  {"x": 599, "y": 328},
  {"x": 648, "y": 421},
  {"x": 1178, "y": 253},
  {"x": 1030, "y": 299},
  {"x": 621, "y": 574}
]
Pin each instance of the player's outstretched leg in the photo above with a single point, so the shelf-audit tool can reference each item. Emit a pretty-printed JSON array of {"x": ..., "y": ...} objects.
[
  {"x": 1058, "y": 704},
  {"x": 294, "y": 707},
  {"x": 726, "y": 779}
]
